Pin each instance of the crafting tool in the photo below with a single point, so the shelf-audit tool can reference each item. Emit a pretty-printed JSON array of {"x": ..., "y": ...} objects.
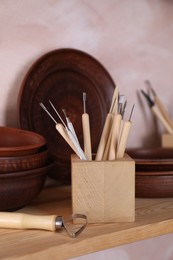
[
  {"x": 70, "y": 125},
  {"x": 114, "y": 102},
  {"x": 48, "y": 222},
  {"x": 159, "y": 104},
  {"x": 124, "y": 136},
  {"x": 86, "y": 131},
  {"x": 114, "y": 137},
  {"x": 72, "y": 137},
  {"x": 66, "y": 134},
  {"x": 157, "y": 112},
  {"x": 105, "y": 134}
]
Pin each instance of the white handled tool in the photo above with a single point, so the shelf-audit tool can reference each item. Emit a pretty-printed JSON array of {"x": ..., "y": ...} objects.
[
  {"x": 50, "y": 222},
  {"x": 66, "y": 133}
]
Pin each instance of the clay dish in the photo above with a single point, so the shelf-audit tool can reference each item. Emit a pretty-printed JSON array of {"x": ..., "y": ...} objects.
[
  {"x": 19, "y": 142},
  {"x": 20, "y": 188}
]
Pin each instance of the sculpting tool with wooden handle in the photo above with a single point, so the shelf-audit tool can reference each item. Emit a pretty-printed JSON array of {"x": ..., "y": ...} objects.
[
  {"x": 114, "y": 102},
  {"x": 124, "y": 137},
  {"x": 66, "y": 134},
  {"x": 86, "y": 131},
  {"x": 160, "y": 105},
  {"x": 49, "y": 223},
  {"x": 104, "y": 137},
  {"x": 114, "y": 137},
  {"x": 157, "y": 112}
]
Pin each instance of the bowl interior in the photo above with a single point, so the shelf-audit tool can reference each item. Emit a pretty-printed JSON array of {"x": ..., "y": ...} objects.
[{"x": 15, "y": 141}]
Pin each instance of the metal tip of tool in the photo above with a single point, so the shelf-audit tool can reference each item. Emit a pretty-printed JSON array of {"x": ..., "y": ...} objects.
[
  {"x": 130, "y": 117},
  {"x": 149, "y": 100},
  {"x": 84, "y": 102},
  {"x": 148, "y": 83},
  {"x": 64, "y": 111},
  {"x": 49, "y": 114},
  {"x": 57, "y": 113}
]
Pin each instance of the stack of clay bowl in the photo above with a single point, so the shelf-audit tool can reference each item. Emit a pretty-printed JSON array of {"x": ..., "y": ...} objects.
[
  {"x": 154, "y": 172},
  {"x": 24, "y": 164}
]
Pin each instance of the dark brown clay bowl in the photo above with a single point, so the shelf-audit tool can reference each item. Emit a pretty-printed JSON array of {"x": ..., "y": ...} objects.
[
  {"x": 154, "y": 186},
  {"x": 20, "y": 188},
  {"x": 23, "y": 163},
  {"x": 153, "y": 159},
  {"x": 19, "y": 142}
]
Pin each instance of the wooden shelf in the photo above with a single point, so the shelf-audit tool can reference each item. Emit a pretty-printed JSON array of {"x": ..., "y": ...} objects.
[{"x": 154, "y": 217}]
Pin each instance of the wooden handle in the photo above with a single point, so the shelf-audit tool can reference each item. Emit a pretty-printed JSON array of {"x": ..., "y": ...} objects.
[
  {"x": 87, "y": 136},
  {"x": 123, "y": 139},
  {"x": 164, "y": 112},
  {"x": 104, "y": 137},
  {"x": 162, "y": 119},
  {"x": 63, "y": 133},
  {"x": 114, "y": 138},
  {"x": 26, "y": 221}
]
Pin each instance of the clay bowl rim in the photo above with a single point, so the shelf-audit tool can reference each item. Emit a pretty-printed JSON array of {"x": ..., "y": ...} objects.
[
  {"x": 132, "y": 152},
  {"x": 23, "y": 163},
  {"x": 26, "y": 149},
  {"x": 27, "y": 173}
]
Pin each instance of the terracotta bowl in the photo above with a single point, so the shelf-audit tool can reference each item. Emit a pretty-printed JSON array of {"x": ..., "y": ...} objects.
[
  {"x": 20, "y": 188},
  {"x": 19, "y": 142},
  {"x": 23, "y": 163},
  {"x": 153, "y": 159},
  {"x": 154, "y": 186}
]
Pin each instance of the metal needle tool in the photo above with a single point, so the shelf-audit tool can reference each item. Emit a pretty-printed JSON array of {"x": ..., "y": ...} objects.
[
  {"x": 159, "y": 104},
  {"x": 62, "y": 130},
  {"x": 124, "y": 136},
  {"x": 157, "y": 112},
  {"x": 70, "y": 125},
  {"x": 86, "y": 131},
  {"x": 73, "y": 139}
]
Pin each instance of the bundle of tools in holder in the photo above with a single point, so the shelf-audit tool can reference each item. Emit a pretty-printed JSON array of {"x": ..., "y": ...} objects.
[
  {"x": 114, "y": 136},
  {"x": 157, "y": 107}
]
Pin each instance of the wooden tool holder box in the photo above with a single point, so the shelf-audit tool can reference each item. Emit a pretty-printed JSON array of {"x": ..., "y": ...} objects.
[
  {"x": 104, "y": 190},
  {"x": 167, "y": 140}
]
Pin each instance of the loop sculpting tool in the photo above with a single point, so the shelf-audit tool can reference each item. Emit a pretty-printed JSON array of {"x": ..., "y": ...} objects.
[{"x": 42, "y": 222}]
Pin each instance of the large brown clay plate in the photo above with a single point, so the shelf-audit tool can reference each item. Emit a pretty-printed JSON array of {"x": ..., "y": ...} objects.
[{"x": 62, "y": 76}]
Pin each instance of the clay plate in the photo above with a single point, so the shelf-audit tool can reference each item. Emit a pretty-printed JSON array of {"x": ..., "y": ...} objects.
[
  {"x": 62, "y": 76},
  {"x": 152, "y": 159}
]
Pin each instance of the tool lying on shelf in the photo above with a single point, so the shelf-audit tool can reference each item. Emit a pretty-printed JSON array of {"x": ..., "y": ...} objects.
[{"x": 49, "y": 222}]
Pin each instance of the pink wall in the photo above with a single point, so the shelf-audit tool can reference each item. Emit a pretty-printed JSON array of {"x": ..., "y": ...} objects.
[{"x": 133, "y": 40}]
